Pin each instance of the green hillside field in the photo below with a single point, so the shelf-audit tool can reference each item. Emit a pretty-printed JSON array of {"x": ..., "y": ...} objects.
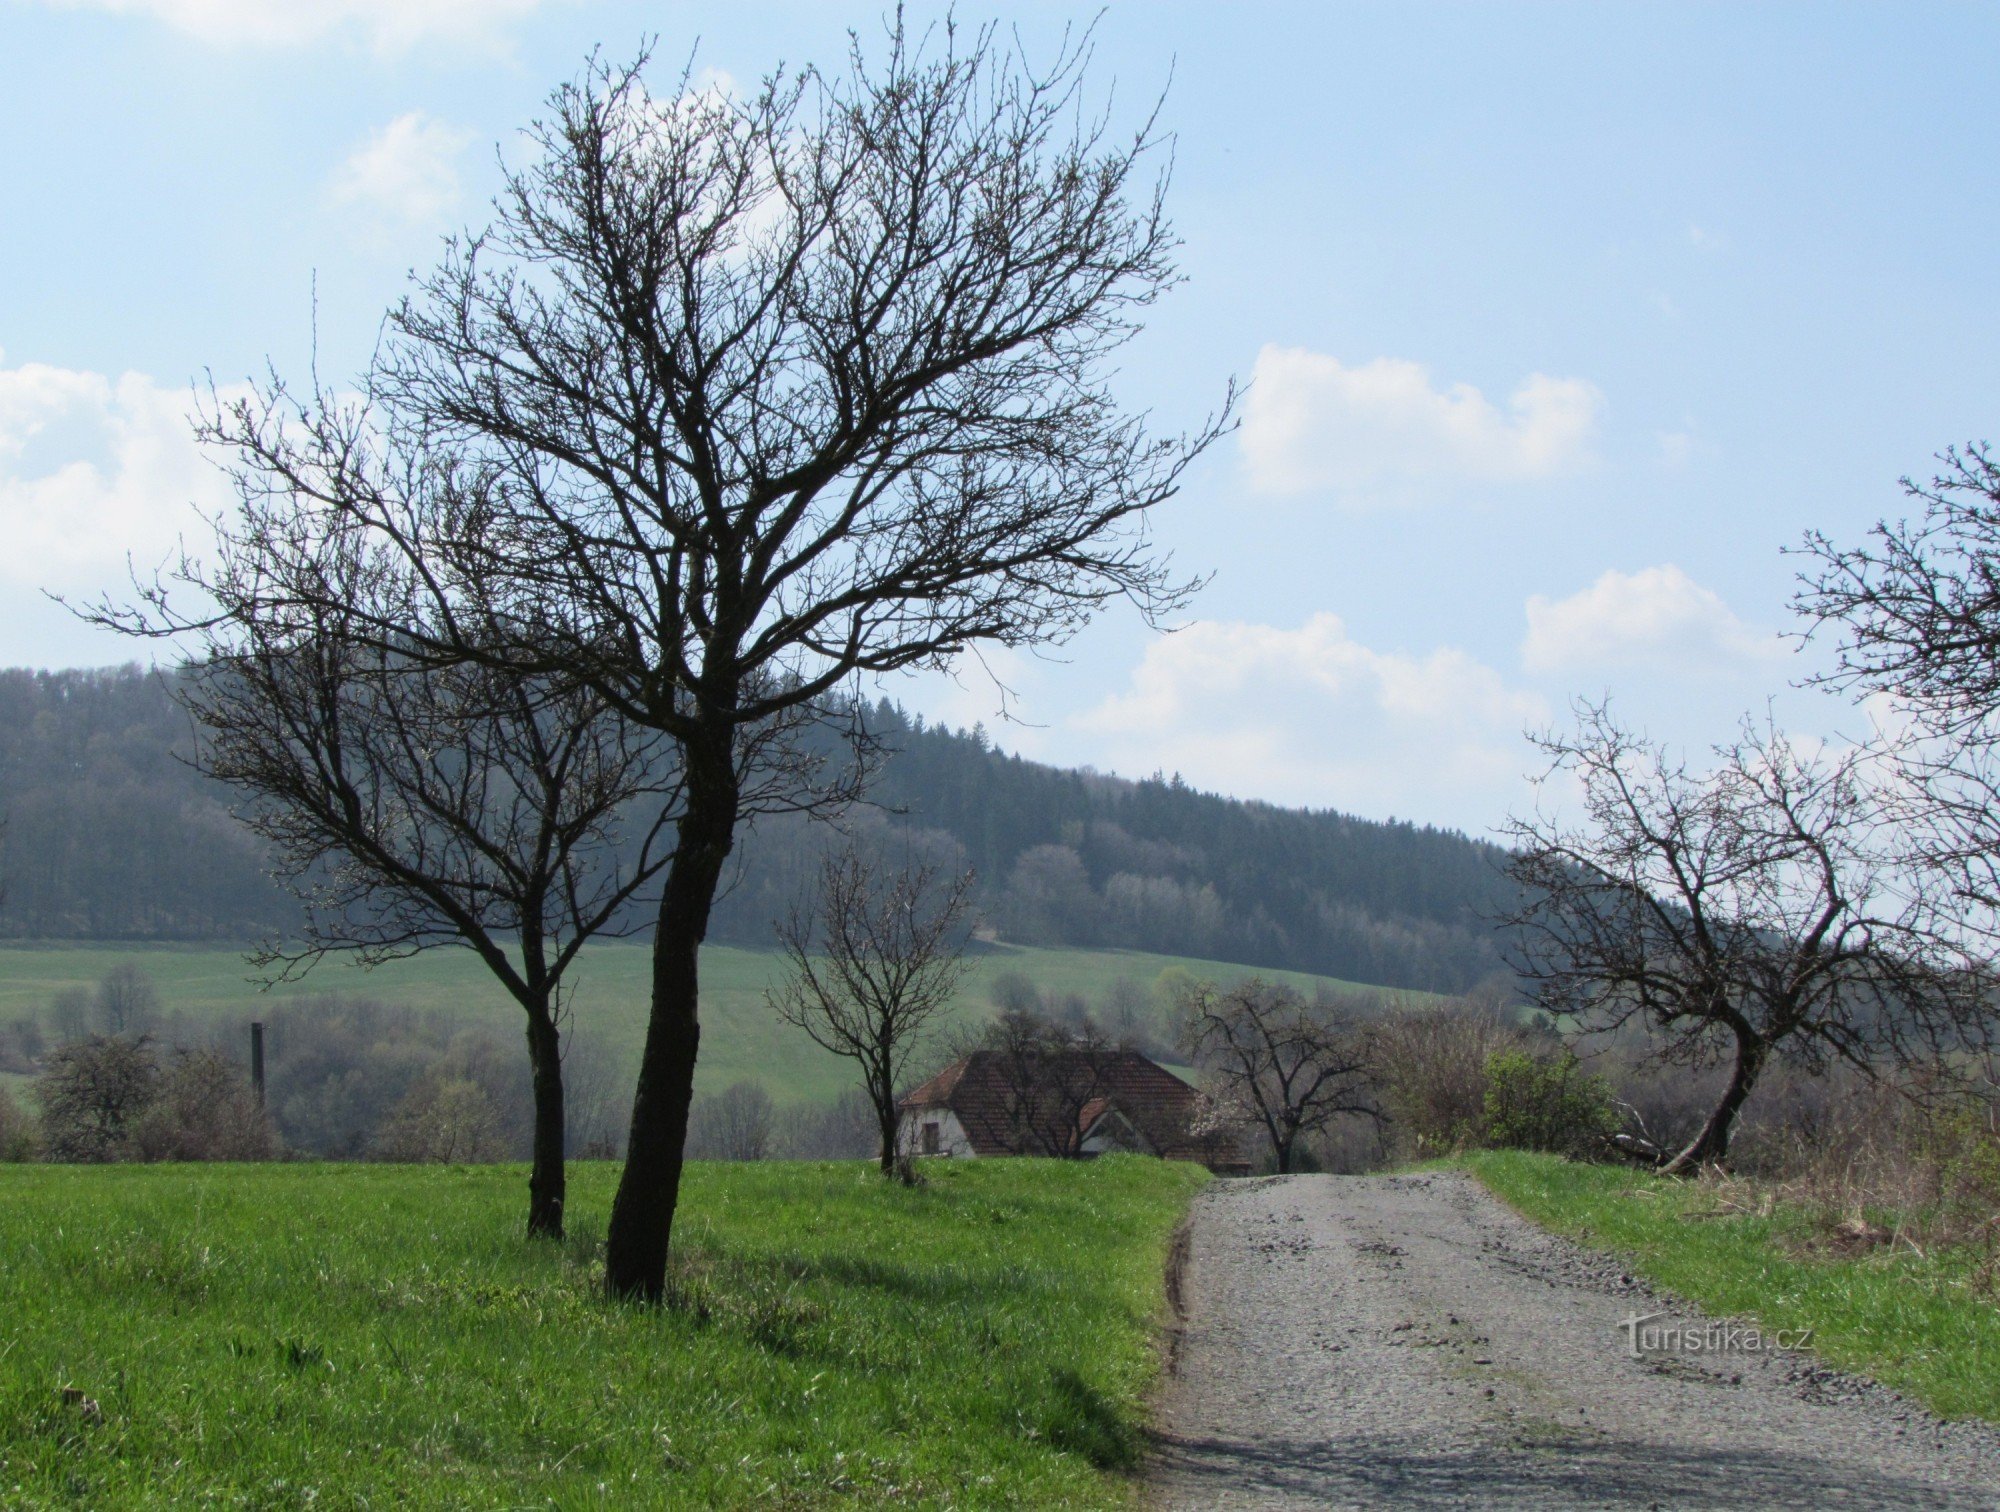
[{"x": 741, "y": 1039}]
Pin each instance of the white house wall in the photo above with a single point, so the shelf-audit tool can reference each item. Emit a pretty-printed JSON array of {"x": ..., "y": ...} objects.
[{"x": 951, "y": 1133}]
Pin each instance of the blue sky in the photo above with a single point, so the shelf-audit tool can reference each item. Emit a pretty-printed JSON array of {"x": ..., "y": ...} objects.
[{"x": 1561, "y": 322}]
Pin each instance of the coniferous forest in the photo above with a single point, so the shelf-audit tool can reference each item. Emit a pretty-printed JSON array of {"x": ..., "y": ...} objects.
[{"x": 110, "y": 834}]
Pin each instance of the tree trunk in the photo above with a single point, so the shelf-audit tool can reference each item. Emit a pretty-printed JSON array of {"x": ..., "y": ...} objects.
[
  {"x": 642, "y": 1214},
  {"x": 1711, "y": 1145},
  {"x": 547, "y": 1179},
  {"x": 885, "y": 1118}
]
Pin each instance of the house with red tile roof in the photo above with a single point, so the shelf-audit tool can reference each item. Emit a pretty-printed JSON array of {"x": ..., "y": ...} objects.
[{"x": 1068, "y": 1104}]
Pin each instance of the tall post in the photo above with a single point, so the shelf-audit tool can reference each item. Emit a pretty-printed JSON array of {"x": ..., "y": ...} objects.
[{"x": 257, "y": 1061}]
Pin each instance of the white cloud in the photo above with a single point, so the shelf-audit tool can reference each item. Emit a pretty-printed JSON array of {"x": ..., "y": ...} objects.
[
  {"x": 1657, "y": 618},
  {"x": 386, "y": 25},
  {"x": 1707, "y": 239},
  {"x": 93, "y": 468},
  {"x": 405, "y": 176},
  {"x": 1309, "y": 716},
  {"x": 1311, "y": 422}
]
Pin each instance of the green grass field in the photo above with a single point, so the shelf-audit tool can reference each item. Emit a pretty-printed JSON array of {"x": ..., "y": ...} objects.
[
  {"x": 741, "y": 1039},
  {"x": 1926, "y": 1324},
  {"x": 370, "y": 1336}
]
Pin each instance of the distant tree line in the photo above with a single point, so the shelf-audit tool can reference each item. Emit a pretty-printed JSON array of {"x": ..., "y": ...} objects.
[{"x": 110, "y": 835}]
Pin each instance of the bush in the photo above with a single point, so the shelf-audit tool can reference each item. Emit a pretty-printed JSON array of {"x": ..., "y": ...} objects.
[
  {"x": 204, "y": 1109},
  {"x": 17, "y": 1133},
  {"x": 445, "y": 1120},
  {"x": 1546, "y": 1102},
  {"x": 1432, "y": 1060},
  {"x": 93, "y": 1093}
]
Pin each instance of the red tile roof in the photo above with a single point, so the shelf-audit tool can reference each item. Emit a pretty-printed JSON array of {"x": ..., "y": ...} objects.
[{"x": 1155, "y": 1101}]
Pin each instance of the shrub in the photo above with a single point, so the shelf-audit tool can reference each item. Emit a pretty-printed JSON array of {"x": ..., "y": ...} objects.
[
  {"x": 204, "y": 1109},
  {"x": 443, "y": 1119},
  {"x": 1546, "y": 1102},
  {"x": 1432, "y": 1061},
  {"x": 92, "y": 1092},
  {"x": 17, "y": 1133}
]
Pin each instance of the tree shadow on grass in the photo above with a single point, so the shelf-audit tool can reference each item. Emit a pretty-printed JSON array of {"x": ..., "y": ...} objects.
[
  {"x": 945, "y": 1285},
  {"x": 1079, "y": 1419}
]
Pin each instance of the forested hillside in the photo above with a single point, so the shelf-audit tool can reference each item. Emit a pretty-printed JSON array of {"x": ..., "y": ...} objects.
[{"x": 110, "y": 835}]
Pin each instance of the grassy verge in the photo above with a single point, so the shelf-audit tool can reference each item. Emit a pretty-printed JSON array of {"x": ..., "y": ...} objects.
[
  {"x": 371, "y": 1336},
  {"x": 1924, "y": 1323}
]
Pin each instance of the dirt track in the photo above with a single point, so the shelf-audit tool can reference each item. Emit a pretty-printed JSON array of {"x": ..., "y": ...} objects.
[{"x": 1406, "y": 1341}]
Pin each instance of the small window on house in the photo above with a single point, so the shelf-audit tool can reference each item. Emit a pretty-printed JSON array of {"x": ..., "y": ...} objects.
[{"x": 930, "y": 1139}]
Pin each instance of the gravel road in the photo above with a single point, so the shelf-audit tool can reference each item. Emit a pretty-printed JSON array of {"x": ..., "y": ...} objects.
[{"x": 1406, "y": 1341}]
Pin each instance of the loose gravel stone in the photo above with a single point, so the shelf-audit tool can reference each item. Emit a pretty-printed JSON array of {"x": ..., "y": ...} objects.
[{"x": 1407, "y": 1341}]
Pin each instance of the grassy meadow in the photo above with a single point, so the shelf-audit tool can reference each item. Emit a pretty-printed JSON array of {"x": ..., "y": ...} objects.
[
  {"x": 1926, "y": 1323},
  {"x": 355, "y": 1336},
  {"x": 741, "y": 1039}
]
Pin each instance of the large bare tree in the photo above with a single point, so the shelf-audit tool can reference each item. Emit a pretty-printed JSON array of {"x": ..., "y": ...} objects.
[
  {"x": 1291, "y": 1064},
  {"x": 410, "y": 805},
  {"x": 1752, "y": 911},
  {"x": 876, "y": 953},
  {"x": 739, "y": 399},
  {"x": 1916, "y": 607}
]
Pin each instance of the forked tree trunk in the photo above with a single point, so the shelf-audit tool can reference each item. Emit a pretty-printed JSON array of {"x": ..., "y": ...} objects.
[
  {"x": 642, "y": 1213},
  {"x": 547, "y": 1179},
  {"x": 1711, "y": 1145}
]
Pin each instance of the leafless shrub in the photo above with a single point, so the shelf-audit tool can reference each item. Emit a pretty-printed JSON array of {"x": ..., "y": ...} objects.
[
  {"x": 338, "y": 1067},
  {"x": 595, "y": 1096}
]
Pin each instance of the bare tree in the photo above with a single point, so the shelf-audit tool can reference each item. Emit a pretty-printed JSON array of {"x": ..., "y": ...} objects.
[
  {"x": 737, "y": 1123},
  {"x": 1294, "y": 1066},
  {"x": 875, "y": 955},
  {"x": 1750, "y": 912},
  {"x": 127, "y": 1001},
  {"x": 1917, "y": 607},
  {"x": 737, "y": 400},
  {"x": 1049, "y": 1074},
  {"x": 410, "y": 805}
]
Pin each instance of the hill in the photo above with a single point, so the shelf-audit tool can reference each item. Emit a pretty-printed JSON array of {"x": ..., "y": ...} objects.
[
  {"x": 204, "y": 992},
  {"x": 110, "y": 835}
]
